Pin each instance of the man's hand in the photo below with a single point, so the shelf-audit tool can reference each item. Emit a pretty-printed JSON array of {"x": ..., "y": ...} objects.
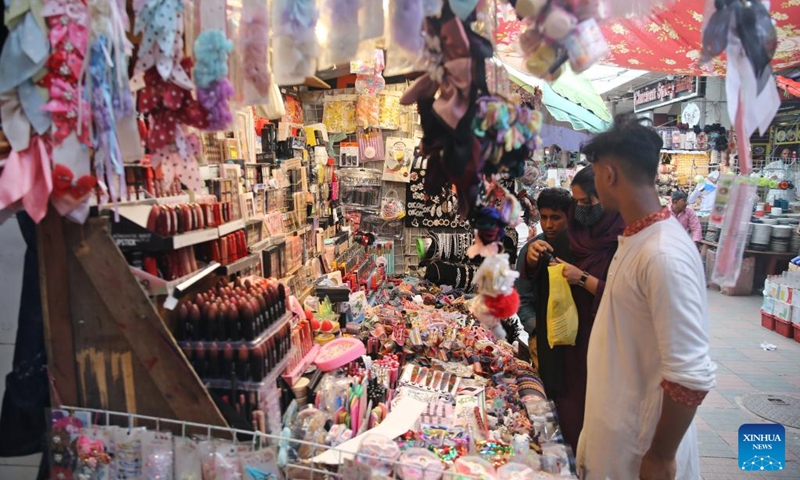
[
  {"x": 572, "y": 273},
  {"x": 657, "y": 468},
  {"x": 535, "y": 251}
]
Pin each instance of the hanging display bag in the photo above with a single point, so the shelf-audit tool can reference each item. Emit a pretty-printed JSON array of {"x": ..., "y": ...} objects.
[
  {"x": 391, "y": 207},
  {"x": 562, "y": 315}
]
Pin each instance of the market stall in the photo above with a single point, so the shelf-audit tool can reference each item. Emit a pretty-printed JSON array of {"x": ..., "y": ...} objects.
[{"x": 228, "y": 246}]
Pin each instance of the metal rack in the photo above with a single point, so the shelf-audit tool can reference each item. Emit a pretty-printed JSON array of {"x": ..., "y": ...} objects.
[{"x": 255, "y": 440}]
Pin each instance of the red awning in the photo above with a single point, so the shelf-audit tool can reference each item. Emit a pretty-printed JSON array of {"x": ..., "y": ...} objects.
[{"x": 668, "y": 40}]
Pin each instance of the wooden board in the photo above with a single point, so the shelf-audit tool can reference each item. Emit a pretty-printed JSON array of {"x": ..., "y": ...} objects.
[
  {"x": 123, "y": 356},
  {"x": 54, "y": 281}
]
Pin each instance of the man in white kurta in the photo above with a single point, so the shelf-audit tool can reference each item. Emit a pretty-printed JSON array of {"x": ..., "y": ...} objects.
[{"x": 648, "y": 362}]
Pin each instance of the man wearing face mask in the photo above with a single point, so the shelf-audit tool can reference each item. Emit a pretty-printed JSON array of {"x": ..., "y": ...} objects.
[{"x": 592, "y": 236}]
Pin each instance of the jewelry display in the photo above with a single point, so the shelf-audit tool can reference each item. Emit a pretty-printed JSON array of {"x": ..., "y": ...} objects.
[{"x": 440, "y": 209}]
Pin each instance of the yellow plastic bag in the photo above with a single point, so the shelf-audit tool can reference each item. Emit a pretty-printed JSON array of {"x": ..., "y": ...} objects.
[{"x": 562, "y": 315}]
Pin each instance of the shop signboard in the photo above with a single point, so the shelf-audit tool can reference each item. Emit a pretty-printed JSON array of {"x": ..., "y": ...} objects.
[{"x": 667, "y": 91}]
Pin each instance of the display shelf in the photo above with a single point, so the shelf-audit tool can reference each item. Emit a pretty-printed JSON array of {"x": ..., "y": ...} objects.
[
  {"x": 262, "y": 245},
  {"x": 336, "y": 294},
  {"x": 231, "y": 226},
  {"x": 293, "y": 271},
  {"x": 294, "y": 374},
  {"x": 306, "y": 293},
  {"x": 130, "y": 235},
  {"x": 171, "y": 200},
  {"x": 241, "y": 264},
  {"x": 269, "y": 332},
  {"x": 154, "y": 286},
  {"x": 686, "y": 152},
  {"x": 271, "y": 377}
]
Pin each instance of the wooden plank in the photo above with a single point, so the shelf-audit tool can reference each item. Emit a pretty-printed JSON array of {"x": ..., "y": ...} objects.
[
  {"x": 153, "y": 347},
  {"x": 53, "y": 278},
  {"x": 109, "y": 376}
]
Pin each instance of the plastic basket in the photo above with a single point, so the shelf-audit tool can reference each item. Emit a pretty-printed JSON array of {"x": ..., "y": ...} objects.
[
  {"x": 783, "y": 327},
  {"x": 767, "y": 320}
]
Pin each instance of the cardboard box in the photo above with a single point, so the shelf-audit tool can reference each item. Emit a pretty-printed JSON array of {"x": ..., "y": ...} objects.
[
  {"x": 795, "y": 297},
  {"x": 768, "y": 305},
  {"x": 796, "y": 315},
  {"x": 785, "y": 294},
  {"x": 783, "y": 311},
  {"x": 771, "y": 288}
]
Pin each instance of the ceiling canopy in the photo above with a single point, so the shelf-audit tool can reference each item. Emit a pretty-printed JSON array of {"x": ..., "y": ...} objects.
[{"x": 668, "y": 40}]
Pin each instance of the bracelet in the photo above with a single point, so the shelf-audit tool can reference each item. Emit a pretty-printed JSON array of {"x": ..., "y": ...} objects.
[{"x": 584, "y": 277}]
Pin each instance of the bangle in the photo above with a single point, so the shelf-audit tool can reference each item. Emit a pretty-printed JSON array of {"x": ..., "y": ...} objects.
[{"x": 584, "y": 277}]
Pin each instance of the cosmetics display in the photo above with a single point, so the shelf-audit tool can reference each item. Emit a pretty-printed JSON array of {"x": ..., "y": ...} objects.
[
  {"x": 145, "y": 182},
  {"x": 225, "y": 250},
  {"x": 168, "y": 220},
  {"x": 244, "y": 361},
  {"x": 241, "y": 311},
  {"x": 423, "y": 378},
  {"x": 167, "y": 265}
]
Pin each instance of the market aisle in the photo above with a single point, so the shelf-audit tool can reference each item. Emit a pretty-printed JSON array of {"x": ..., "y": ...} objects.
[{"x": 744, "y": 368}]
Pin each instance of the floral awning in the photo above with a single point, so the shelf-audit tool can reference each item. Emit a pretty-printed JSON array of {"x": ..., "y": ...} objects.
[{"x": 668, "y": 40}]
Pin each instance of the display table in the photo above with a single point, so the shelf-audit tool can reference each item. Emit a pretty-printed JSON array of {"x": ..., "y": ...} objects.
[{"x": 767, "y": 260}]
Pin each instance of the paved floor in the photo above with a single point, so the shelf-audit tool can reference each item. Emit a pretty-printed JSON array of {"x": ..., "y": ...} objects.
[{"x": 744, "y": 368}]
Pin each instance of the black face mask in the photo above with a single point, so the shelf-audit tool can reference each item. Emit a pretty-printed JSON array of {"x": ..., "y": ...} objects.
[{"x": 588, "y": 216}]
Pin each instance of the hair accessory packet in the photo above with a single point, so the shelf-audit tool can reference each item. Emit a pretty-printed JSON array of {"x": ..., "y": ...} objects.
[
  {"x": 419, "y": 464},
  {"x": 379, "y": 452},
  {"x": 392, "y": 207},
  {"x": 471, "y": 466},
  {"x": 559, "y": 31}
]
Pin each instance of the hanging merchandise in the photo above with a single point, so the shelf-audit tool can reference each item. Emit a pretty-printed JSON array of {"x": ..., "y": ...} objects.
[
  {"x": 368, "y": 69},
  {"x": 389, "y": 110},
  {"x": 370, "y": 145},
  {"x": 430, "y": 210},
  {"x": 116, "y": 132},
  {"x": 69, "y": 108},
  {"x": 294, "y": 40},
  {"x": 399, "y": 155},
  {"x": 339, "y": 113},
  {"x": 368, "y": 111},
  {"x": 745, "y": 32},
  {"x": 338, "y": 32},
  {"x": 254, "y": 52},
  {"x": 445, "y": 97},
  {"x": 371, "y": 19},
  {"x": 391, "y": 207},
  {"x": 165, "y": 95},
  {"x": 508, "y": 135},
  {"x": 211, "y": 49},
  {"x": 405, "y": 47},
  {"x": 733, "y": 207},
  {"x": 557, "y": 32}
]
